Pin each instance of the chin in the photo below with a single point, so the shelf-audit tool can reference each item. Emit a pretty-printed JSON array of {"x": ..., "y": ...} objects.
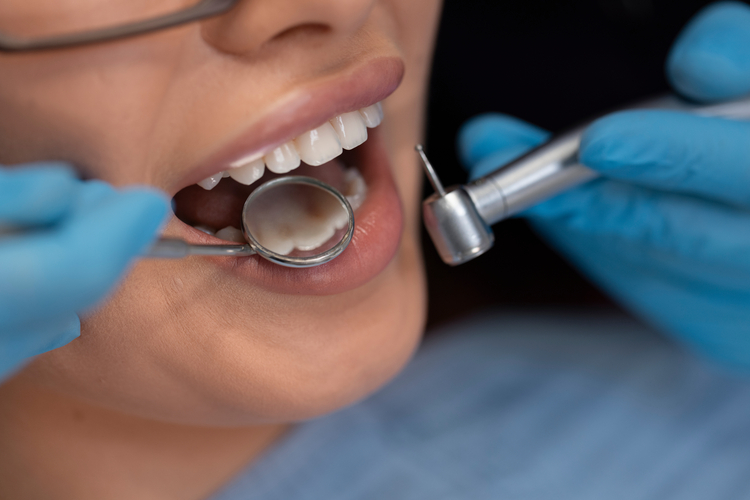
[{"x": 222, "y": 372}]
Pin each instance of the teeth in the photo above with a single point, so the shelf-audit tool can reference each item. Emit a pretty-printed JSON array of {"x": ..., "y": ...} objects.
[
  {"x": 350, "y": 129},
  {"x": 230, "y": 233},
  {"x": 304, "y": 220},
  {"x": 356, "y": 189},
  {"x": 318, "y": 146},
  {"x": 248, "y": 173},
  {"x": 286, "y": 224},
  {"x": 245, "y": 160},
  {"x": 282, "y": 159},
  {"x": 211, "y": 182},
  {"x": 373, "y": 115}
]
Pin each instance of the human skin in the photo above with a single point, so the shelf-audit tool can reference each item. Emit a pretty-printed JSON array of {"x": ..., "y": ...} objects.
[{"x": 187, "y": 372}]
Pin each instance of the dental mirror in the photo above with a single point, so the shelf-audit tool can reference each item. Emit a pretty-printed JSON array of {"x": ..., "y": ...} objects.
[{"x": 292, "y": 221}]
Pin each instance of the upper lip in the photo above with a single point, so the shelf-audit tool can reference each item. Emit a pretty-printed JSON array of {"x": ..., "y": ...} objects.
[{"x": 305, "y": 109}]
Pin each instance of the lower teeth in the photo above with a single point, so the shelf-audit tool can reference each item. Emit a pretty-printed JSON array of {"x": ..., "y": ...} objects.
[
  {"x": 355, "y": 191},
  {"x": 230, "y": 233}
]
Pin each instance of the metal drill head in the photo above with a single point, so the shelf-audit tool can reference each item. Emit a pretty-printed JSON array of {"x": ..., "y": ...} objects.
[
  {"x": 456, "y": 228},
  {"x": 459, "y": 233}
]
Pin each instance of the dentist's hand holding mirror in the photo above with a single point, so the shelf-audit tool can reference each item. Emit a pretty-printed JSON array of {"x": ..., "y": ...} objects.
[
  {"x": 666, "y": 230},
  {"x": 64, "y": 244}
]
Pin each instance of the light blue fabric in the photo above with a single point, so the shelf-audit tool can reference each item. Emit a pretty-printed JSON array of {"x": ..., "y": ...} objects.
[
  {"x": 64, "y": 243},
  {"x": 666, "y": 231},
  {"x": 526, "y": 407}
]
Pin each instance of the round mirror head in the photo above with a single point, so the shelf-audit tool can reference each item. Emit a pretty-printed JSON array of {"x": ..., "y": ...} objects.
[{"x": 297, "y": 221}]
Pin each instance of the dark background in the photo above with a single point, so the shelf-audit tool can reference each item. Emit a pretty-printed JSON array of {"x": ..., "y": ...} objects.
[{"x": 552, "y": 63}]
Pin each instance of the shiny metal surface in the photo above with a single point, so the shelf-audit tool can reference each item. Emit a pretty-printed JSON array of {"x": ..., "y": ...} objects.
[
  {"x": 460, "y": 234},
  {"x": 172, "y": 248},
  {"x": 288, "y": 260},
  {"x": 537, "y": 176}
]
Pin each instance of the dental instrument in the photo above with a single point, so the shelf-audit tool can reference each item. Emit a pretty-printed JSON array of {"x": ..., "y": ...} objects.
[
  {"x": 458, "y": 218},
  {"x": 258, "y": 242}
]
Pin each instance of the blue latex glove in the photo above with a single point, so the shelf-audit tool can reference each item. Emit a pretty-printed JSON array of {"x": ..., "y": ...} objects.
[
  {"x": 64, "y": 243},
  {"x": 666, "y": 231}
]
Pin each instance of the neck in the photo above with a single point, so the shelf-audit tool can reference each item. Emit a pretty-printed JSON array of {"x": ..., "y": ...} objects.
[{"x": 57, "y": 447}]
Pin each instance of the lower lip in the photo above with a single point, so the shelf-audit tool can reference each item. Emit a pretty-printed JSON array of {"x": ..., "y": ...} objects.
[{"x": 378, "y": 226}]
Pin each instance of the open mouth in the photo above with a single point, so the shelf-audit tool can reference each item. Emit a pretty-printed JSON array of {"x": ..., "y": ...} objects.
[
  {"x": 350, "y": 157},
  {"x": 327, "y": 153}
]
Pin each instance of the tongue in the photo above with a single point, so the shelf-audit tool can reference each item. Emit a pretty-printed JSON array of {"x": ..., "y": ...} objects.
[{"x": 222, "y": 206}]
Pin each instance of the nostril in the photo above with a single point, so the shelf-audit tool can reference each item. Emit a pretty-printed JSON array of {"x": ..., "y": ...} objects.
[
  {"x": 252, "y": 25},
  {"x": 311, "y": 30},
  {"x": 305, "y": 34}
]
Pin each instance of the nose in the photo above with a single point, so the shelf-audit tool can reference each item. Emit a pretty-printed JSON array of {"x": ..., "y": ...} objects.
[{"x": 251, "y": 24}]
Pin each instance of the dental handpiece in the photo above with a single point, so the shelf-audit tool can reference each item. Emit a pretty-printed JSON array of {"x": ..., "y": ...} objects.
[{"x": 458, "y": 218}]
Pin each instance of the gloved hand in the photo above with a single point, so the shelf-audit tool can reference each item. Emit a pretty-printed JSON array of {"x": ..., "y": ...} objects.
[
  {"x": 666, "y": 231},
  {"x": 64, "y": 243}
]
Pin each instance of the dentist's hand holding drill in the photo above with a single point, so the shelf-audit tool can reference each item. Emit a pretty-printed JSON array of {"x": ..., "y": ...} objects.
[
  {"x": 64, "y": 243},
  {"x": 666, "y": 230}
]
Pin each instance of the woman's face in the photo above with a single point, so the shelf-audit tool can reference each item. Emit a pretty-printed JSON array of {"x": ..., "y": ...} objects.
[{"x": 234, "y": 341}]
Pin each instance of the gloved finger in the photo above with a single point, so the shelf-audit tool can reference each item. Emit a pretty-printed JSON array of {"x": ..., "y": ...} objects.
[
  {"x": 492, "y": 134},
  {"x": 658, "y": 229},
  {"x": 36, "y": 194},
  {"x": 673, "y": 151},
  {"x": 19, "y": 346},
  {"x": 71, "y": 266},
  {"x": 710, "y": 60},
  {"x": 678, "y": 298}
]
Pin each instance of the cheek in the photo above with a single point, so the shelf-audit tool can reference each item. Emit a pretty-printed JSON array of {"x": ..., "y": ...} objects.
[
  {"x": 88, "y": 106},
  {"x": 200, "y": 349},
  {"x": 277, "y": 359}
]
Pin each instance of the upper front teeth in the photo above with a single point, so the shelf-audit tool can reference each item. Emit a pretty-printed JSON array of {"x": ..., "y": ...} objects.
[
  {"x": 318, "y": 146},
  {"x": 249, "y": 172},
  {"x": 372, "y": 115},
  {"x": 350, "y": 129},
  {"x": 282, "y": 159}
]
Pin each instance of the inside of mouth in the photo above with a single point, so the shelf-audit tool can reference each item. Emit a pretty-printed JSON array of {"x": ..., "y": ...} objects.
[{"x": 291, "y": 220}]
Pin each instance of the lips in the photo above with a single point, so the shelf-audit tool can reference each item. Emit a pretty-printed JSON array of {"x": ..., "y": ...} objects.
[
  {"x": 378, "y": 220},
  {"x": 304, "y": 110},
  {"x": 376, "y": 238}
]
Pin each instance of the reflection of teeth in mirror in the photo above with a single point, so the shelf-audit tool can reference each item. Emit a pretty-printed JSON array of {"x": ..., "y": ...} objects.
[
  {"x": 315, "y": 147},
  {"x": 232, "y": 234},
  {"x": 303, "y": 219}
]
